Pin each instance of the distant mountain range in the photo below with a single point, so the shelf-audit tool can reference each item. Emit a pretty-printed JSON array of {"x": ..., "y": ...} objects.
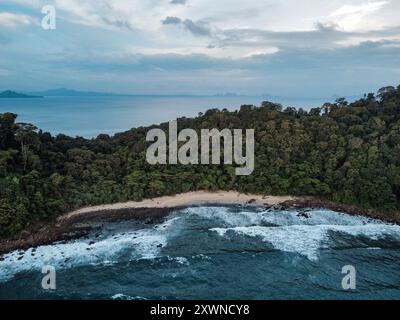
[
  {"x": 13, "y": 94},
  {"x": 63, "y": 92},
  {"x": 297, "y": 98}
]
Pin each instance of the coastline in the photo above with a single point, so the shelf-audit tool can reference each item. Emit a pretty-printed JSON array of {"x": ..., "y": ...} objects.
[
  {"x": 80, "y": 222},
  {"x": 195, "y": 198}
]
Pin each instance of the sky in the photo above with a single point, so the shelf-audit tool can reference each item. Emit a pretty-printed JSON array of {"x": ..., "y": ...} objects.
[{"x": 288, "y": 48}]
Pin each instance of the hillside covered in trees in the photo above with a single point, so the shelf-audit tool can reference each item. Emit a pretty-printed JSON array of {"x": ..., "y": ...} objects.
[{"x": 348, "y": 153}]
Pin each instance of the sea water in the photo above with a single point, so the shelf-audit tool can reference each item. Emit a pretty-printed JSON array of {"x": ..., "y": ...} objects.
[
  {"x": 91, "y": 116},
  {"x": 216, "y": 253}
]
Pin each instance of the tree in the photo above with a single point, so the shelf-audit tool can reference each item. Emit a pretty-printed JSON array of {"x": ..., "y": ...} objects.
[
  {"x": 7, "y": 130},
  {"x": 27, "y": 137},
  {"x": 12, "y": 218}
]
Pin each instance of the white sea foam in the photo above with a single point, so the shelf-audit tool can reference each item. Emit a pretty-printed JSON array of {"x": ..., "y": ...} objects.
[
  {"x": 305, "y": 240},
  {"x": 225, "y": 215},
  {"x": 182, "y": 260},
  {"x": 279, "y": 218},
  {"x": 288, "y": 231},
  {"x": 121, "y": 296},
  {"x": 138, "y": 244},
  {"x": 283, "y": 230},
  {"x": 308, "y": 240}
]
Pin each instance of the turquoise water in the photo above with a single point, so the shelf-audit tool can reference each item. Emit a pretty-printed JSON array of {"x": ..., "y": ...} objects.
[
  {"x": 91, "y": 116},
  {"x": 216, "y": 253}
]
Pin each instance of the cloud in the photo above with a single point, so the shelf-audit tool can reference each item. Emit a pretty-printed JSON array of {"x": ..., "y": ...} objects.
[
  {"x": 353, "y": 17},
  {"x": 119, "y": 23},
  {"x": 322, "y": 36},
  {"x": 171, "y": 20},
  {"x": 303, "y": 47},
  {"x": 197, "y": 28},
  {"x": 13, "y": 20},
  {"x": 178, "y": 1},
  {"x": 104, "y": 14},
  {"x": 367, "y": 55},
  {"x": 301, "y": 72},
  {"x": 362, "y": 9}
]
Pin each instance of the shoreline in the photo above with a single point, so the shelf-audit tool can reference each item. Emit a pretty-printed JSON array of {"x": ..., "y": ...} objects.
[
  {"x": 196, "y": 198},
  {"x": 79, "y": 223}
]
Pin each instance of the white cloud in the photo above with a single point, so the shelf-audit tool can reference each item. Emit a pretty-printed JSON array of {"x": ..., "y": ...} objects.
[
  {"x": 355, "y": 17},
  {"x": 134, "y": 14},
  {"x": 261, "y": 52},
  {"x": 12, "y": 20},
  {"x": 205, "y": 23},
  {"x": 362, "y": 9}
]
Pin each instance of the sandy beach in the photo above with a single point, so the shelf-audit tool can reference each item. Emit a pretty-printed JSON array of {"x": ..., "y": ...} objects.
[{"x": 184, "y": 200}]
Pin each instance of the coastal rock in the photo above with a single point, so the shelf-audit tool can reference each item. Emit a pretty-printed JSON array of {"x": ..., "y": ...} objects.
[
  {"x": 148, "y": 221},
  {"x": 277, "y": 207},
  {"x": 303, "y": 214}
]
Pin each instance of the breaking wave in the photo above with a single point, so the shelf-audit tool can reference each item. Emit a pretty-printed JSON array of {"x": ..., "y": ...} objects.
[
  {"x": 111, "y": 248},
  {"x": 189, "y": 246}
]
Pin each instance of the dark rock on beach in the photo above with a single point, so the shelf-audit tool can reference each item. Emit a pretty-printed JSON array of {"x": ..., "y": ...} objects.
[
  {"x": 306, "y": 203},
  {"x": 78, "y": 227},
  {"x": 303, "y": 214}
]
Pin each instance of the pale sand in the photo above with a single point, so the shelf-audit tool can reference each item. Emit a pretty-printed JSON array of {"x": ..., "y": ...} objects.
[{"x": 187, "y": 199}]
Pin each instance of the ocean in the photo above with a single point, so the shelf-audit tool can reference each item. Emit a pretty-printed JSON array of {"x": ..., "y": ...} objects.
[
  {"x": 90, "y": 116},
  {"x": 211, "y": 252}
]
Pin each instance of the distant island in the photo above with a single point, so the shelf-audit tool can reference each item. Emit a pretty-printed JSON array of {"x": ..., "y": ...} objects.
[
  {"x": 63, "y": 92},
  {"x": 13, "y": 94},
  {"x": 66, "y": 92}
]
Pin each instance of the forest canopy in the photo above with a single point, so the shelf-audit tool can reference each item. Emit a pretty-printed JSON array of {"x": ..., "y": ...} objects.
[{"x": 345, "y": 152}]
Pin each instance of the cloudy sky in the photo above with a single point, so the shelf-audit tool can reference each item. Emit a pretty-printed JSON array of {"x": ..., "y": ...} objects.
[{"x": 292, "y": 48}]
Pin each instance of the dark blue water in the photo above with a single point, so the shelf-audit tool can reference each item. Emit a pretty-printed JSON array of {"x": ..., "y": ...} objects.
[
  {"x": 91, "y": 116},
  {"x": 216, "y": 253}
]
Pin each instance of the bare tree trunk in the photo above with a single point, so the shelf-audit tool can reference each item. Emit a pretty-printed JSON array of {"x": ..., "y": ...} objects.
[{"x": 24, "y": 151}]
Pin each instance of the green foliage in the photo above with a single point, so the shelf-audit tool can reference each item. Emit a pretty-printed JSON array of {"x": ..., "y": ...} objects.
[
  {"x": 13, "y": 218},
  {"x": 348, "y": 153}
]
